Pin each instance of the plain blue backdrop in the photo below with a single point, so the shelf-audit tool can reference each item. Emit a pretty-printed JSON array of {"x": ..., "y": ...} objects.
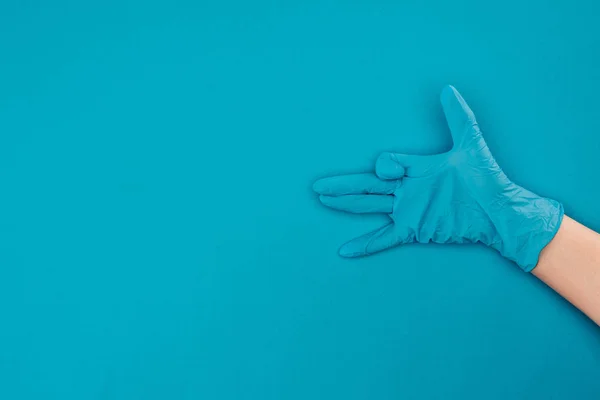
[{"x": 159, "y": 238}]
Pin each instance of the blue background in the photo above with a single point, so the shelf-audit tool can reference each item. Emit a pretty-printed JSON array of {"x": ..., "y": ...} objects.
[{"x": 159, "y": 238}]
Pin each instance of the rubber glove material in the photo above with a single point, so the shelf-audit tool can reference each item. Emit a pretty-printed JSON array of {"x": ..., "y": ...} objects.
[{"x": 461, "y": 196}]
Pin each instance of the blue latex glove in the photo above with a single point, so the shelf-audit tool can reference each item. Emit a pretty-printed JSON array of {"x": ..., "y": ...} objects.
[{"x": 461, "y": 196}]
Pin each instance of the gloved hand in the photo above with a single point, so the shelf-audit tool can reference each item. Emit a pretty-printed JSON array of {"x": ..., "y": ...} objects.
[{"x": 461, "y": 196}]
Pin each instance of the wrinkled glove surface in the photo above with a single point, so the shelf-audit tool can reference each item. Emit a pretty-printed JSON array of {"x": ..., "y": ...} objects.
[{"x": 461, "y": 196}]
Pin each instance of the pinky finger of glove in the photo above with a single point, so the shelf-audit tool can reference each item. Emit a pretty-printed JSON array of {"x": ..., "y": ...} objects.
[{"x": 380, "y": 239}]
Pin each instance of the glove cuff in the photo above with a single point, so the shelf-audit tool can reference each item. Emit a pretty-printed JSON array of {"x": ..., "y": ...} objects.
[{"x": 542, "y": 225}]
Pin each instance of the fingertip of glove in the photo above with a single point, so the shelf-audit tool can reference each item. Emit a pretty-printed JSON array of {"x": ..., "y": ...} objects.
[
  {"x": 318, "y": 186},
  {"x": 326, "y": 200},
  {"x": 448, "y": 93},
  {"x": 351, "y": 250},
  {"x": 346, "y": 252},
  {"x": 387, "y": 167}
]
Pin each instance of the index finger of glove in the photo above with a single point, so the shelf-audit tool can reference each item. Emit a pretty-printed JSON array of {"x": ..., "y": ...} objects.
[{"x": 354, "y": 184}]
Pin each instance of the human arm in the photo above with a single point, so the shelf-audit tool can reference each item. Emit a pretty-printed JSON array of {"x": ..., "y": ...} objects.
[{"x": 570, "y": 264}]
